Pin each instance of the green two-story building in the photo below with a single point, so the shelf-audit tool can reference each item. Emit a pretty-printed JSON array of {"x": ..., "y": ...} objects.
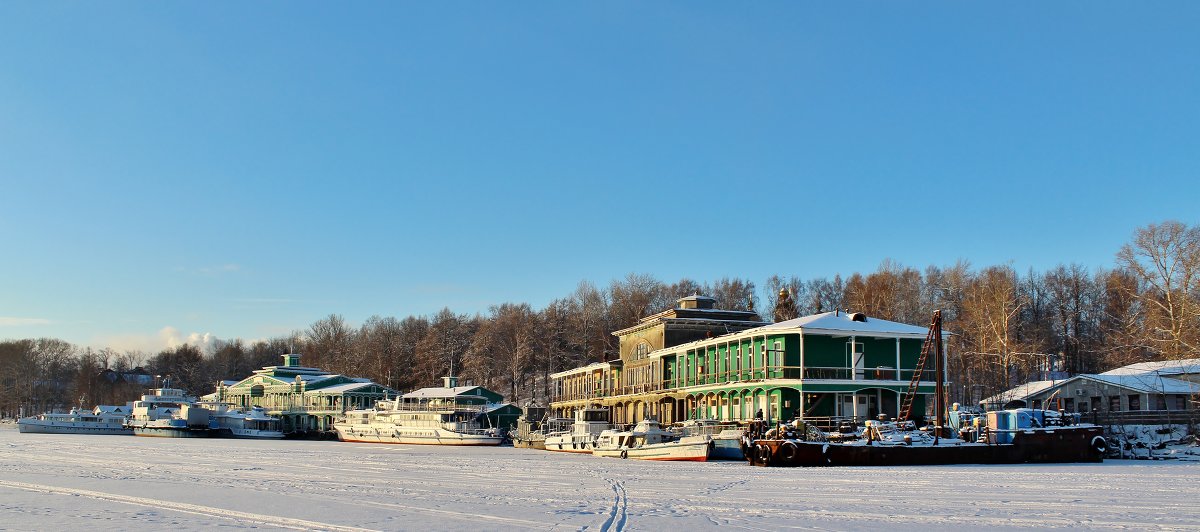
[
  {"x": 830, "y": 365},
  {"x": 307, "y": 400}
]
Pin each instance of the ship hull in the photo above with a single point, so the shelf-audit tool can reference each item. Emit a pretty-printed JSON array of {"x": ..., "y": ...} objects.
[
  {"x": 357, "y": 434},
  {"x": 663, "y": 452},
  {"x": 1061, "y": 445},
  {"x": 45, "y": 428}
]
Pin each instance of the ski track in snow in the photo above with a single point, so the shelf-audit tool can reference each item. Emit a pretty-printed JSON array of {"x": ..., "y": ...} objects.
[
  {"x": 298, "y": 524},
  {"x": 71, "y": 482}
]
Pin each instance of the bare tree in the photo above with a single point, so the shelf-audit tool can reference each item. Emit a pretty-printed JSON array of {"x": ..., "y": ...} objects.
[
  {"x": 1165, "y": 260},
  {"x": 330, "y": 343}
]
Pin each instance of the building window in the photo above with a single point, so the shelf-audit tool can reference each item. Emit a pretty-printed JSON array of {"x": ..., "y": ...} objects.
[
  {"x": 641, "y": 351},
  {"x": 1114, "y": 403},
  {"x": 1160, "y": 402},
  {"x": 1135, "y": 402},
  {"x": 1180, "y": 402}
]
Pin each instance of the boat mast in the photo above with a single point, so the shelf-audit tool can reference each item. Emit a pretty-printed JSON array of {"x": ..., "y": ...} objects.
[{"x": 940, "y": 389}]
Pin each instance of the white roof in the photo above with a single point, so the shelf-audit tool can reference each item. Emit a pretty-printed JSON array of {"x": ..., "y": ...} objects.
[
  {"x": 344, "y": 387},
  {"x": 1164, "y": 367},
  {"x": 582, "y": 369},
  {"x": 1022, "y": 391},
  {"x": 1148, "y": 382},
  {"x": 440, "y": 392},
  {"x": 840, "y": 322},
  {"x": 1145, "y": 383}
]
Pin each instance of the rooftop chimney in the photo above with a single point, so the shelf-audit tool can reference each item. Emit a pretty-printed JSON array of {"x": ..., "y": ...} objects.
[{"x": 698, "y": 302}]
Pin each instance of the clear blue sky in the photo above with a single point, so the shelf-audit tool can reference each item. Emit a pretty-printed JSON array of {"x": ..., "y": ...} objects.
[{"x": 244, "y": 169}]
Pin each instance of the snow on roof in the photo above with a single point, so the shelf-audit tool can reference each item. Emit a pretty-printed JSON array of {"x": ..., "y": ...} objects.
[
  {"x": 440, "y": 392},
  {"x": 344, "y": 387},
  {"x": 582, "y": 369},
  {"x": 1144, "y": 383},
  {"x": 841, "y": 322},
  {"x": 1164, "y": 367},
  {"x": 492, "y": 407},
  {"x": 1147, "y": 382},
  {"x": 1022, "y": 391}
]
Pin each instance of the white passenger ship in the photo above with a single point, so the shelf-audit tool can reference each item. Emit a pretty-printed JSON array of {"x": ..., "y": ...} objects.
[
  {"x": 103, "y": 419},
  {"x": 581, "y": 436},
  {"x": 422, "y": 419},
  {"x": 170, "y": 413}
]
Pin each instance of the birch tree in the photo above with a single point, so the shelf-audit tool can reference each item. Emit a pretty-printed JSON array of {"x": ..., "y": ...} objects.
[{"x": 1165, "y": 260}]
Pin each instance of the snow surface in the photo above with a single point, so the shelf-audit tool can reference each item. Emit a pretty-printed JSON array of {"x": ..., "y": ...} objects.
[{"x": 67, "y": 482}]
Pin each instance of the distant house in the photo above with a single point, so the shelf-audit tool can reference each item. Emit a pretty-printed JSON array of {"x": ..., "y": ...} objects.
[
  {"x": 500, "y": 415},
  {"x": 306, "y": 399},
  {"x": 1131, "y": 392}
]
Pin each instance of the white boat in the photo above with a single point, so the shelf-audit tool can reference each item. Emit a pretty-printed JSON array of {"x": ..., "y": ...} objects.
[
  {"x": 726, "y": 436},
  {"x": 169, "y": 413},
  {"x": 581, "y": 436},
  {"x": 432, "y": 422},
  {"x": 649, "y": 441},
  {"x": 233, "y": 422},
  {"x": 103, "y": 419}
]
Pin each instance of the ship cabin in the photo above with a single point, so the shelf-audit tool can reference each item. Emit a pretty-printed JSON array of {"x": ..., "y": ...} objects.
[
  {"x": 457, "y": 403},
  {"x": 696, "y": 362}
]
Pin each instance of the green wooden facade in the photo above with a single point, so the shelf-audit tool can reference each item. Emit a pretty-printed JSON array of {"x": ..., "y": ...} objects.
[
  {"x": 307, "y": 400},
  {"x": 831, "y": 365}
]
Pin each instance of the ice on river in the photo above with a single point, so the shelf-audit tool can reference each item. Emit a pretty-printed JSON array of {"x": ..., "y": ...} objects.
[{"x": 62, "y": 482}]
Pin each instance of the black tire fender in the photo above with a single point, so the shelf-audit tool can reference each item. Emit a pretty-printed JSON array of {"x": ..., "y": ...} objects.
[
  {"x": 624, "y": 454},
  {"x": 789, "y": 452}
]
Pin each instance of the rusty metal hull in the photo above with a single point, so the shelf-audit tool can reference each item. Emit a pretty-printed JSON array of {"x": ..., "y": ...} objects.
[{"x": 1058, "y": 445}]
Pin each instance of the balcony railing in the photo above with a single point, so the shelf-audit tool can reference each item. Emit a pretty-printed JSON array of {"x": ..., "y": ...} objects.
[{"x": 750, "y": 375}]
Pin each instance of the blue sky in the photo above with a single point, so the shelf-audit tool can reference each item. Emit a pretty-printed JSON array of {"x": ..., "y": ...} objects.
[{"x": 243, "y": 169}]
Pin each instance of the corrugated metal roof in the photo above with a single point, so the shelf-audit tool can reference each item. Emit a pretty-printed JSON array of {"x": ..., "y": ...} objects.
[
  {"x": 1164, "y": 367},
  {"x": 841, "y": 322}
]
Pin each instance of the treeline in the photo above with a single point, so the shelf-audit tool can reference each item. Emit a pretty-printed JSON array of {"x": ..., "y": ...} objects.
[{"x": 1009, "y": 327}]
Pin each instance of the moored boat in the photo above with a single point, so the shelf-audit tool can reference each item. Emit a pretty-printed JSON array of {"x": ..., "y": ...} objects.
[
  {"x": 103, "y": 419},
  {"x": 169, "y": 413},
  {"x": 1002, "y": 437},
  {"x": 726, "y": 436},
  {"x": 233, "y": 422},
  {"x": 649, "y": 441},
  {"x": 436, "y": 422},
  {"x": 581, "y": 435},
  {"x": 533, "y": 426}
]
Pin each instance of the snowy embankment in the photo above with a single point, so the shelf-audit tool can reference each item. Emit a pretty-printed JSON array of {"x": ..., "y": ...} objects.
[{"x": 122, "y": 482}]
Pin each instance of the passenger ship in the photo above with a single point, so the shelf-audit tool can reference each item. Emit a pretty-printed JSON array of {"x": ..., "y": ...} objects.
[
  {"x": 169, "y": 413},
  {"x": 100, "y": 420},
  {"x": 435, "y": 418},
  {"x": 420, "y": 424}
]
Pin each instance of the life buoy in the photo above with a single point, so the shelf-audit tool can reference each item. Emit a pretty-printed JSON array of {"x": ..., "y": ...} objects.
[
  {"x": 624, "y": 454},
  {"x": 1099, "y": 445},
  {"x": 789, "y": 452}
]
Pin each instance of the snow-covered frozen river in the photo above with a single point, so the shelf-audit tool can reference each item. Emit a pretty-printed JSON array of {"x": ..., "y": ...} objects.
[{"x": 57, "y": 482}]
